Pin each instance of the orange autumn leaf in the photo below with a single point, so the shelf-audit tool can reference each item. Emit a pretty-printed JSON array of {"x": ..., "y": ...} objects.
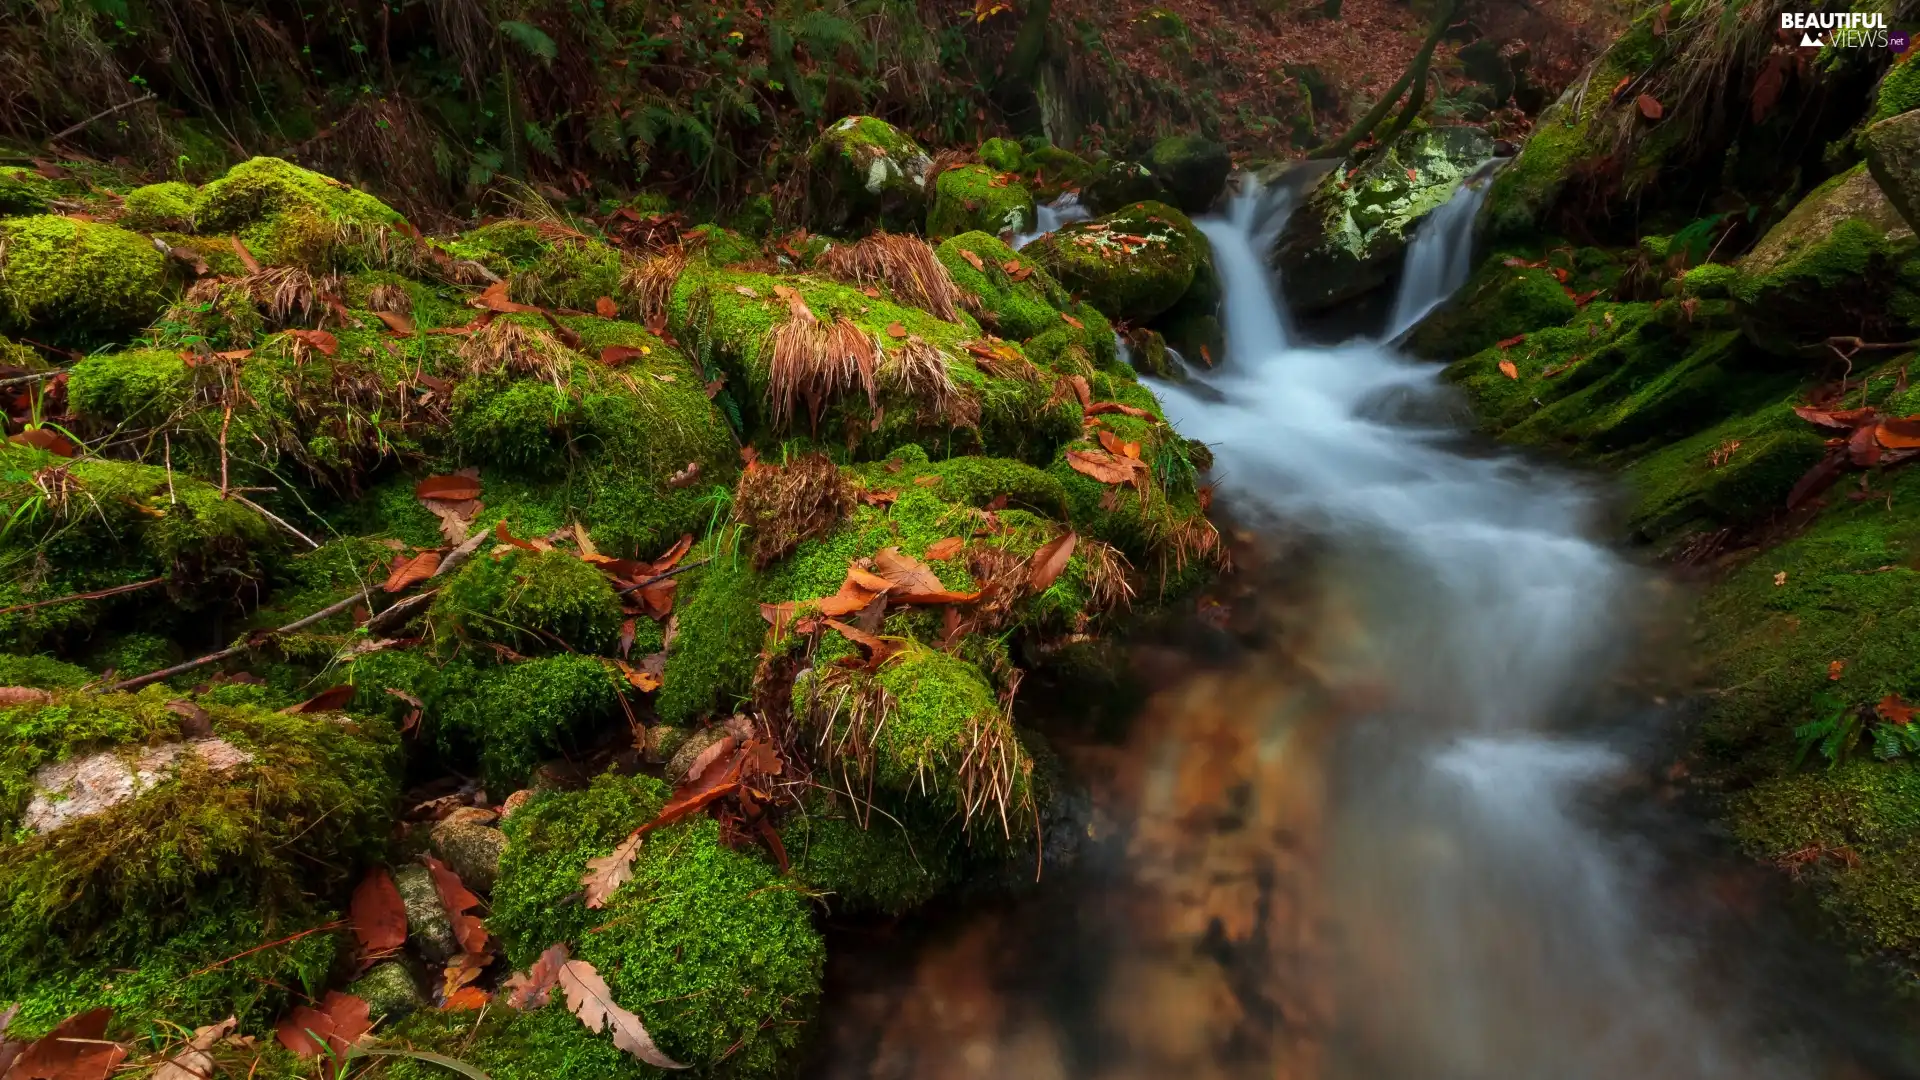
[
  {"x": 466, "y": 999},
  {"x": 44, "y": 438},
  {"x": 977, "y": 262},
  {"x": 1512, "y": 341},
  {"x": 1902, "y": 433},
  {"x": 1894, "y": 710},
  {"x": 448, "y": 488},
  {"x": 246, "y": 257},
  {"x": 1835, "y": 669},
  {"x": 1102, "y": 408},
  {"x": 941, "y": 550},
  {"x": 1509, "y": 369},
  {"x": 605, "y": 307},
  {"x": 1073, "y": 322},
  {"x": 396, "y": 321},
  {"x": 412, "y": 571},
  {"x": 1051, "y": 560},
  {"x": 1117, "y": 446},
  {"x": 1103, "y": 466},
  {"x": 319, "y": 340},
  {"x": 377, "y": 913},
  {"x": 459, "y": 903},
  {"x": 494, "y": 298},
  {"x": 1649, "y": 106},
  {"x": 895, "y": 330}
]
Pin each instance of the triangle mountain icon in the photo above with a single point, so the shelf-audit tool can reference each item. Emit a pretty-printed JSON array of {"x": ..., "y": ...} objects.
[{"x": 1807, "y": 41}]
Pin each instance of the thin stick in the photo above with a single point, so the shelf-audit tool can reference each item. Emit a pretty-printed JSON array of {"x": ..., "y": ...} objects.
[
  {"x": 99, "y": 594},
  {"x": 288, "y": 940},
  {"x": 625, "y": 589},
  {"x": 35, "y": 377},
  {"x": 224, "y": 421},
  {"x": 101, "y": 115},
  {"x": 271, "y": 516},
  {"x": 298, "y": 624},
  {"x": 398, "y": 614}
]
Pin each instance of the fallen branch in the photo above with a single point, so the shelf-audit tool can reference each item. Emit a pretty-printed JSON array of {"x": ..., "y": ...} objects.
[
  {"x": 35, "y": 377},
  {"x": 397, "y": 615},
  {"x": 98, "y": 594},
  {"x": 1418, "y": 69},
  {"x": 298, "y": 624},
  {"x": 101, "y": 115},
  {"x": 625, "y": 589},
  {"x": 269, "y": 515}
]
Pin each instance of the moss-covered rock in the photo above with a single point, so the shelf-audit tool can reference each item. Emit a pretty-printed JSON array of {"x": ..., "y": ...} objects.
[
  {"x": 865, "y": 174},
  {"x": 1115, "y": 183},
  {"x": 164, "y": 207},
  {"x": 519, "y": 714},
  {"x": 1132, "y": 264},
  {"x": 1002, "y": 154},
  {"x": 24, "y": 191},
  {"x": 972, "y": 198},
  {"x": 1016, "y": 309},
  {"x": 712, "y": 947},
  {"x": 710, "y": 664},
  {"x": 290, "y": 216},
  {"x": 129, "y": 893},
  {"x": 548, "y": 266},
  {"x": 1893, "y": 159},
  {"x": 1831, "y": 266},
  {"x": 1192, "y": 169},
  {"x": 1498, "y": 302},
  {"x": 77, "y": 282},
  {"x": 880, "y": 864},
  {"x": 1352, "y": 232},
  {"x": 1897, "y": 92},
  {"x": 530, "y": 601}
]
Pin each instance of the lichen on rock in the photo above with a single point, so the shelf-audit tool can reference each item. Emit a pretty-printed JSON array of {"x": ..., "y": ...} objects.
[
  {"x": 1132, "y": 264},
  {"x": 863, "y": 174},
  {"x": 973, "y": 198}
]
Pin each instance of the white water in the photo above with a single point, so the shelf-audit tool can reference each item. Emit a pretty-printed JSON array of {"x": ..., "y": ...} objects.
[
  {"x": 1440, "y": 259},
  {"x": 1489, "y": 929},
  {"x": 1050, "y": 216}
]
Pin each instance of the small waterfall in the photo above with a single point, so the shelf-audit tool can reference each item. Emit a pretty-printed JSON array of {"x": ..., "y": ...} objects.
[
  {"x": 1441, "y": 256},
  {"x": 1050, "y": 216}
]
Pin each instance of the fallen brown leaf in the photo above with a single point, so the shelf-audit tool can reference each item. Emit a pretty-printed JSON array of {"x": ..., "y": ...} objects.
[
  {"x": 412, "y": 571},
  {"x": 941, "y": 550},
  {"x": 591, "y": 1001},
  {"x": 377, "y": 914},
  {"x": 606, "y": 874},
  {"x": 459, "y": 903},
  {"x": 532, "y": 988},
  {"x": 1051, "y": 560}
]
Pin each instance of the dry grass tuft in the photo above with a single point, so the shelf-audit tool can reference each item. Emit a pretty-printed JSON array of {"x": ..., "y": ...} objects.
[
  {"x": 812, "y": 363},
  {"x": 918, "y": 371},
  {"x": 995, "y": 774},
  {"x": 787, "y": 505},
  {"x": 847, "y": 709},
  {"x": 1187, "y": 539},
  {"x": 648, "y": 283},
  {"x": 390, "y": 298},
  {"x": 517, "y": 348},
  {"x": 1108, "y": 573},
  {"x": 906, "y": 265},
  {"x": 288, "y": 295}
]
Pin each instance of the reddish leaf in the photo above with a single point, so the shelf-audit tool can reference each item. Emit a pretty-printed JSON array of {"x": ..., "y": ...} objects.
[
  {"x": 246, "y": 257},
  {"x": 941, "y": 550},
  {"x": 531, "y": 989},
  {"x": 591, "y": 1001},
  {"x": 466, "y": 999},
  {"x": 606, "y": 308},
  {"x": 1835, "y": 669},
  {"x": 1862, "y": 449},
  {"x": 412, "y": 571},
  {"x": 1818, "y": 479},
  {"x": 1103, "y": 408},
  {"x": 459, "y": 903},
  {"x": 1902, "y": 433},
  {"x": 330, "y": 700},
  {"x": 1512, "y": 341},
  {"x": 1894, "y": 710},
  {"x": 318, "y": 340},
  {"x": 1844, "y": 419},
  {"x": 906, "y": 574},
  {"x": 75, "y": 1050},
  {"x": 895, "y": 330},
  {"x": 606, "y": 874},
  {"x": 1649, "y": 106},
  {"x": 339, "y": 1021},
  {"x": 45, "y": 438},
  {"x": 1073, "y": 322},
  {"x": 417, "y": 707},
  {"x": 448, "y": 488},
  {"x": 1509, "y": 369},
  {"x": 1117, "y": 446},
  {"x": 1051, "y": 560},
  {"x": 977, "y": 262},
  {"x": 377, "y": 914},
  {"x": 1103, "y": 466},
  {"x": 878, "y": 649},
  {"x": 1082, "y": 391},
  {"x": 494, "y": 299},
  {"x": 396, "y": 321}
]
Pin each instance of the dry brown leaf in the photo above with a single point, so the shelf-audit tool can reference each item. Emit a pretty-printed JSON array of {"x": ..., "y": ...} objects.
[
  {"x": 412, "y": 571},
  {"x": 1051, "y": 560},
  {"x": 378, "y": 915},
  {"x": 531, "y": 989},
  {"x": 332, "y": 699},
  {"x": 620, "y": 354},
  {"x": 24, "y": 695},
  {"x": 1118, "y": 447},
  {"x": 246, "y": 257},
  {"x": 45, "y": 438},
  {"x": 338, "y": 1023},
  {"x": 974, "y": 260},
  {"x": 941, "y": 550},
  {"x": 895, "y": 330},
  {"x": 1102, "y": 408},
  {"x": 75, "y": 1050},
  {"x": 1901, "y": 433},
  {"x": 906, "y": 574},
  {"x": 607, "y": 873},
  {"x": 448, "y": 488},
  {"x": 1509, "y": 369},
  {"x": 605, "y": 307},
  {"x": 194, "y": 1062},
  {"x": 459, "y": 902},
  {"x": 396, "y": 321},
  {"x": 466, "y": 999},
  {"x": 195, "y": 722},
  {"x": 1649, "y": 106},
  {"x": 319, "y": 340},
  {"x": 494, "y": 299},
  {"x": 1103, "y": 466},
  {"x": 591, "y": 1001}
]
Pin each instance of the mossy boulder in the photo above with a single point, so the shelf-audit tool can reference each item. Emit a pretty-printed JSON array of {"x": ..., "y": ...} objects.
[
  {"x": 1014, "y": 308},
  {"x": 1192, "y": 169},
  {"x": 1498, "y": 302},
  {"x": 711, "y": 661},
  {"x": 1897, "y": 92},
  {"x": 516, "y": 715},
  {"x": 1115, "y": 183},
  {"x": 1132, "y": 264},
  {"x": 711, "y": 946},
  {"x": 160, "y": 207},
  {"x": 972, "y": 198},
  {"x": 864, "y": 174},
  {"x": 147, "y": 842},
  {"x": 530, "y": 601},
  {"x": 1833, "y": 265},
  {"x": 24, "y": 191},
  {"x": 1352, "y": 232},
  {"x": 867, "y": 861},
  {"x": 1893, "y": 159},
  {"x": 1005, "y": 155},
  {"x": 560, "y": 269},
  {"x": 77, "y": 282},
  {"x": 287, "y": 215}
]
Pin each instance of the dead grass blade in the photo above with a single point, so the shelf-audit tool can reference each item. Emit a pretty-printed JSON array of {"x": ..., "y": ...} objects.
[
  {"x": 918, "y": 370},
  {"x": 648, "y": 283},
  {"x": 906, "y": 265},
  {"x": 813, "y": 363},
  {"x": 517, "y": 348},
  {"x": 788, "y": 505}
]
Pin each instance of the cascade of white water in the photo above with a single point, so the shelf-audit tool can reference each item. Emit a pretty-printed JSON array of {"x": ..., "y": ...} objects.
[
  {"x": 1441, "y": 256},
  {"x": 1049, "y": 216}
]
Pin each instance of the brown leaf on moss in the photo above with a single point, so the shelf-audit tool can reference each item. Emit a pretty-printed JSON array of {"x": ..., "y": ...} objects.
[
  {"x": 974, "y": 260},
  {"x": 494, "y": 299},
  {"x": 604, "y": 307},
  {"x": 531, "y": 989},
  {"x": 1835, "y": 669},
  {"x": 606, "y": 874},
  {"x": 24, "y": 695},
  {"x": 905, "y": 573},
  {"x": 398, "y": 322},
  {"x": 1649, "y": 106},
  {"x": 466, "y": 999},
  {"x": 377, "y": 913},
  {"x": 1103, "y": 408},
  {"x": 941, "y": 550},
  {"x": 1509, "y": 369},
  {"x": 1073, "y": 322},
  {"x": 614, "y": 355},
  {"x": 454, "y": 488},
  {"x": 1051, "y": 560},
  {"x": 195, "y": 722},
  {"x": 318, "y": 340},
  {"x": 1103, "y": 466},
  {"x": 878, "y": 650},
  {"x": 330, "y": 1029},
  {"x": 415, "y": 709},
  {"x": 895, "y": 330},
  {"x": 75, "y": 1050},
  {"x": 408, "y": 572},
  {"x": 330, "y": 700},
  {"x": 459, "y": 902},
  {"x": 590, "y": 1000},
  {"x": 247, "y": 260},
  {"x": 1841, "y": 419},
  {"x": 1119, "y": 447},
  {"x": 1901, "y": 433}
]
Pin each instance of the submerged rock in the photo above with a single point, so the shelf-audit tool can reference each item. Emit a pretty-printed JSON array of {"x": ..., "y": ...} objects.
[
  {"x": 1352, "y": 232},
  {"x": 865, "y": 174}
]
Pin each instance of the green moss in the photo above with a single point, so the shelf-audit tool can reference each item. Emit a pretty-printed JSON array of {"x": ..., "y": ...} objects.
[
  {"x": 1898, "y": 92},
  {"x": 1710, "y": 281},
  {"x": 287, "y": 215},
  {"x": 191, "y": 866},
  {"x": 864, "y": 173},
  {"x": 41, "y": 672},
  {"x": 972, "y": 198},
  {"x": 24, "y": 191},
  {"x": 158, "y": 207},
  {"x": 77, "y": 282},
  {"x": 516, "y": 716},
  {"x": 711, "y": 663},
  {"x": 1115, "y": 183},
  {"x": 1524, "y": 193},
  {"x": 1192, "y": 168},
  {"x": 1499, "y": 302},
  {"x": 1055, "y": 169},
  {"x": 141, "y": 386},
  {"x": 1135, "y": 278},
  {"x": 566, "y": 271},
  {"x": 529, "y": 601},
  {"x": 1015, "y": 309},
  {"x": 1002, "y": 154},
  {"x": 710, "y": 946},
  {"x": 519, "y": 423},
  {"x": 883, "y": 866},
  {"x": 507, "y": 1044}
]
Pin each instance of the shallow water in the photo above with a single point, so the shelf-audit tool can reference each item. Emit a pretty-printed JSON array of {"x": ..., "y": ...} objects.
[{"x": 1390, "y": 815}]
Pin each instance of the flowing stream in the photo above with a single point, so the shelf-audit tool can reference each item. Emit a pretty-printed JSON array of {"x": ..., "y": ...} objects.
[{"x": 1372, "y": 845}]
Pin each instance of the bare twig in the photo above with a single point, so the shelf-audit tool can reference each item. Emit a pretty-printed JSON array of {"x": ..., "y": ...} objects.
[
  {"x": 16, "y": 380},
  {"x": 98, "y": 594},
  {"x": 625, "y": 589},
  {"x": 397, "y": 615},
  {"x": 289, "y": 939},
  {"x": 298, "y": 624},
  {"x": 101, "y": 115},
  {"x": 225, "y": 420},
  {"x": 270, "y": 516}
]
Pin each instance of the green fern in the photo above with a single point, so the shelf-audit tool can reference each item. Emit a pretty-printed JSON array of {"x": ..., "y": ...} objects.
[
  {"x": 1834, "y": 732},
  {"x": 531, "y": 38}
]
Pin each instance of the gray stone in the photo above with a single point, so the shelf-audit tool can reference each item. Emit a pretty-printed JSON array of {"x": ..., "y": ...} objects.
[
  {"x": 471, "y": 850},
  {"x": 1893, "y": 157},
  {"x": 1193, "y": 170},
  {"x": 389, "y": 991},
  {"x": 427, "y": 924}
]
